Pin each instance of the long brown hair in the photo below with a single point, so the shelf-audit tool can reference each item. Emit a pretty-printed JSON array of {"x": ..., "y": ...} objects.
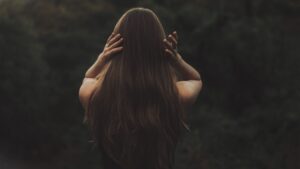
[{"x": 136, "y": 115}]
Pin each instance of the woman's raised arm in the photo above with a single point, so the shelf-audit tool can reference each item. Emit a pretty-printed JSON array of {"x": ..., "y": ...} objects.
[
  {"x": 191, "y": 84},
  {"x": 93, "y": 76},
  {"x": 113, "y": 45}
]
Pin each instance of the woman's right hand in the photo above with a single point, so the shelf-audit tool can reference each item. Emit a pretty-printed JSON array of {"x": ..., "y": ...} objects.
[{"x": 113, "y": 45}]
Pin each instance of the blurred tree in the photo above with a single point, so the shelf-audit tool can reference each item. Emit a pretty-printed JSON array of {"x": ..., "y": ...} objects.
[{"x": 24, "y": 85}]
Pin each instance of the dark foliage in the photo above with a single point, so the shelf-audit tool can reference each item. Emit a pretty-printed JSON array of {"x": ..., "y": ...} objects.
[{"x": 247, "y": 115}]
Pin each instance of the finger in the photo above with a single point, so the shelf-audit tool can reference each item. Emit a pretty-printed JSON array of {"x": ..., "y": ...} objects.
[
  {"x": 114, "y": 39},
  {"x": 167, "y": 42},
  {"x": 115, "y": 50},
  {"x": 168, "y": 45},
  {"x": 170, "y": 48},
  {"x": 117, "y": 43},
  {"x": 175, "y": 35},
  {"x": 168, "y": 52},
  {"x": 172, "y": 39},
  {"x": 109, "y": 39},
  {"x": 110, "y": 36}
]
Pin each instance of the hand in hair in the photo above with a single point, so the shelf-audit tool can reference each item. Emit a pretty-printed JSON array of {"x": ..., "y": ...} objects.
[
  {"x": 171, "y": 46},
  {"x": 112, "y": 46}
]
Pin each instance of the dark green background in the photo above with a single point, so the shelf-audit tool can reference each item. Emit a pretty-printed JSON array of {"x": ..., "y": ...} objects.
[{"x": 247, "y": 51}]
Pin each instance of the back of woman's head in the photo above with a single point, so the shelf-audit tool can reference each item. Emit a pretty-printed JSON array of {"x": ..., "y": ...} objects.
[{"x": 136, "y": 115}]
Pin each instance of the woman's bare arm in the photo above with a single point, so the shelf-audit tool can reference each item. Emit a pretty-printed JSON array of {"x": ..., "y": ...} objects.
[
  {"x": 191, "y": 83},
  {"x": 112, "y": 46},
  {"x": 95, "y": 73},
  {"x": 186, "y": 70},
  {"x": 96, "y": 68}
]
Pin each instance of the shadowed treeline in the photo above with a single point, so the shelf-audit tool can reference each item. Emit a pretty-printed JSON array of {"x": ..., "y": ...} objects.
[{"x": 246, "y": 117}]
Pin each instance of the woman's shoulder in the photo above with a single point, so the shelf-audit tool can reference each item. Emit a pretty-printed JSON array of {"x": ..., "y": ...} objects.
[
  {"x": 188, "y": 91},
  {"x": 89, "y": 85}
]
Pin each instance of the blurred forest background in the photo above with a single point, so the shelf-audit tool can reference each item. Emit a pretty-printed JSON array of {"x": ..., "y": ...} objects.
[{"x": 247, "y": 51}]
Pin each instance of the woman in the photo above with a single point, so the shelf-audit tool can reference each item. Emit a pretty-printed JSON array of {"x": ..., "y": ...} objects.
[{"x": 136, "y": 92}]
